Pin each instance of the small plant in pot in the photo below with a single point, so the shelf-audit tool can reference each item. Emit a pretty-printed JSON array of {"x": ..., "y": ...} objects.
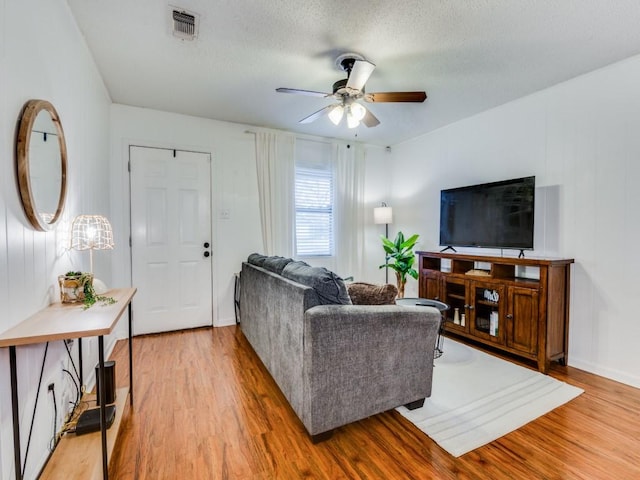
[
  {"x": 400, "y": 257},
  {"x": 77, "y": 287}
]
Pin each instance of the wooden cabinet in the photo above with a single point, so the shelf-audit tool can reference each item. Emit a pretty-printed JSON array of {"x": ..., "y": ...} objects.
[
  {"x": 518, "y": 305},
  {"x": 429, "y": 285},
  {"x": 522, "y": 320}
]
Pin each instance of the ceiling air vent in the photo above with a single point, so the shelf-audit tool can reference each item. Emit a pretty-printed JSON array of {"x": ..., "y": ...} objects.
[{"x": 184, "y": 24}]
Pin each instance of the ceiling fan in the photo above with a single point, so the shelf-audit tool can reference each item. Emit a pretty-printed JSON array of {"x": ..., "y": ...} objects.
[{"x": 351, "y": 89}]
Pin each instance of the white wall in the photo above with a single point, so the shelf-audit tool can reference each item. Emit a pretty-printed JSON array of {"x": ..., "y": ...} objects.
[
  {"x": 234, "y": 188},
  {"x": 43, "y": 55},
  {"x": 581, "y": 139},
  {"x": 377, "y": 190}
]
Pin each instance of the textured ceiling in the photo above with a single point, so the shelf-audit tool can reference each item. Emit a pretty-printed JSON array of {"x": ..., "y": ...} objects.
[{"x": 467, "y": 55}]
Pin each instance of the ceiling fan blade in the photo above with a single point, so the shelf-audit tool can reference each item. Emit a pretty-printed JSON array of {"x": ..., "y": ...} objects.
[
  {"x": 360, "y": 73},
  {"x": 370, "y": 120},
  {"x": 309, "y": 93},
  {"x": 316, "y": 115},
  {"x": 395, "y": 97}
]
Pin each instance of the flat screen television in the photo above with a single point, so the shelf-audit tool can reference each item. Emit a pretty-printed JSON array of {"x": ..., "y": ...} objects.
[{"x": 490, "y": 215}]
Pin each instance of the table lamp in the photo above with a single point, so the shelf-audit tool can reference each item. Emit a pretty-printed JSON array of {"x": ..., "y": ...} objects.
[{"x": 91, "y": 232}]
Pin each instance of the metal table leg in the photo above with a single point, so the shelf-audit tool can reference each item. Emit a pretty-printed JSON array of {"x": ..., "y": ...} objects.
[
  {"x": 103, "y": 400},
  {"x": 80, "y": 361},
  {"x": 130, "y": 356},
  {"x": 17, "y": 457}
]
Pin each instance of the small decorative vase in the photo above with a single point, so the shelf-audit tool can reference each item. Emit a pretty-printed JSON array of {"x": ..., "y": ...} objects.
[
  {"x": 463, "y": 320},
  {"x": 456, "y": 316},
  {"x": 72, "y": 287}
]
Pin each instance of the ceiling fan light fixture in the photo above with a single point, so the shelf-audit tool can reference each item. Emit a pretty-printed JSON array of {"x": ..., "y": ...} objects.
[
  {"x": 335, "y": 115},
  {"x": 352, "y": 120},
  {"x": 358, "y": 111},
  {"x": 349, "y": 91}
]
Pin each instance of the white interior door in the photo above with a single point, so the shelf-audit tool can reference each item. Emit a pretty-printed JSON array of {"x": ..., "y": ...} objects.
[{"x": 171, "y": 239}]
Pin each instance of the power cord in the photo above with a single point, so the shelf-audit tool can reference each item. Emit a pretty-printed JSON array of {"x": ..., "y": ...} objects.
[
  {"x": 75, "y": 384},
  {"x": 73, "y": 364}
]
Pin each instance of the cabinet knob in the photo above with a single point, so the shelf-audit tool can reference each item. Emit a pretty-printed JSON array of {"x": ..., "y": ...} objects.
[
  {"x": 206, "y": 245},
  {"x": 206, "y": 254},
  {"x": 509, "y": 316}
]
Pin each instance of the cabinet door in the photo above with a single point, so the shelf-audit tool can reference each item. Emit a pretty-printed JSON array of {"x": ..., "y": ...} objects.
[
  {"x": 487, "y": 311},
  {"x": 522, "y": 320},
  {"x": 430, "y": 282},
  {"x": 454, "y": 293}
]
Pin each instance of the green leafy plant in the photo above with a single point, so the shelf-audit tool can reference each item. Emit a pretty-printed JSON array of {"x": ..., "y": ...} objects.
[{"x": 400, "y": 257}]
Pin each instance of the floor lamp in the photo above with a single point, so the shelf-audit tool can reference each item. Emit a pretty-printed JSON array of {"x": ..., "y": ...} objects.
[{"x": 384, "y": 215}]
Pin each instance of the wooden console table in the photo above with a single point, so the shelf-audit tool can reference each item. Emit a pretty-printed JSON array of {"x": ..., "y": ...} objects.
[{"x": 62, "y": 322}]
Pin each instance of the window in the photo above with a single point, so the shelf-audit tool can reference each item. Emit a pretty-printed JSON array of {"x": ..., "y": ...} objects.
[{"x": 314, "y": 211}]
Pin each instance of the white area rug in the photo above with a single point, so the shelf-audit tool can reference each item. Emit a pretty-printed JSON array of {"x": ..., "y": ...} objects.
[{"x": 477, "y": 398}]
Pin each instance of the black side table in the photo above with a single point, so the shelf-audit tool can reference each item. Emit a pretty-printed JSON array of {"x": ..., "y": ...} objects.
[{"x": 426, "y": 302}]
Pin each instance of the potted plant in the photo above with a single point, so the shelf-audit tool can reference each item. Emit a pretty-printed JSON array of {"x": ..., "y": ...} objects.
[
  {"x": 400, "y": 257},
  {"x": 77, "y": 287}
]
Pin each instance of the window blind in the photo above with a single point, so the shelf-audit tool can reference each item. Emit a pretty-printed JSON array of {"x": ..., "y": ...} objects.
[{"x": 314, "y": 211}]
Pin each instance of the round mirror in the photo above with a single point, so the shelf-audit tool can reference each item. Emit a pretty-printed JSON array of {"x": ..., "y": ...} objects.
[{"x": 42, "y": 164}]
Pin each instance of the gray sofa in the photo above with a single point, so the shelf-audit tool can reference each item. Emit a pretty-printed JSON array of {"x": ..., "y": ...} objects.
[{"x": 335, "y": 363}]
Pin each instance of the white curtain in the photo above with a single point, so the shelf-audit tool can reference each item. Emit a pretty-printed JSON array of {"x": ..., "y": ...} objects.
[
  {"x": 349, "y": 174},
  {"x": 276, "y": 183}
]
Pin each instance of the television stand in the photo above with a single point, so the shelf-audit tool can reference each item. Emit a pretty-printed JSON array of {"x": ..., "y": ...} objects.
[
  {"x": 449, "y": 247},
  {"x": 523, "y": 316}
]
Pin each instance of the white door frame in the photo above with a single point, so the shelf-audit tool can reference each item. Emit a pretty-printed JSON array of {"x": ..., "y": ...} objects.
[{"x": 130, "y": 222}]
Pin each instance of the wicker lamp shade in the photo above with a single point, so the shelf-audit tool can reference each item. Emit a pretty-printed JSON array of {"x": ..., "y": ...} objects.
[{"x": 91, "y": 232}]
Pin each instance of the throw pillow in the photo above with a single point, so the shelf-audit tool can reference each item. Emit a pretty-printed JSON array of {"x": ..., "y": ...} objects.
[
  {"x": 369, "y": 294},
  {"x": 330, "y": 288},
  {"x": 256, "y": 259},
  {"x": 276, "y": 264}
]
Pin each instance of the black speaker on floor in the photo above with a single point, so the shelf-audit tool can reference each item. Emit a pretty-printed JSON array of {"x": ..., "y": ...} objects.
[{"x": 109, "y": 380}]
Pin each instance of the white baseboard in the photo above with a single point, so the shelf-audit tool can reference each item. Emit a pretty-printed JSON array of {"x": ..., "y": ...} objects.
[
  {"x": 610, "y": 373},
  {"x": 225, "y": 322}
]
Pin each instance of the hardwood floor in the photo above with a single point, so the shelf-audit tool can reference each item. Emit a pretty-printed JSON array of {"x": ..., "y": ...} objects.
[{"x": 206, "y": 408}]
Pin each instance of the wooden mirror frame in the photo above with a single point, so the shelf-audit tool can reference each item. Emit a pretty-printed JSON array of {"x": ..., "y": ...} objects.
[{"x": 31, "y": 110}]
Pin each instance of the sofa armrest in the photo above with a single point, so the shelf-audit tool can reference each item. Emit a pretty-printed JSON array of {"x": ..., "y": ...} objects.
[{"x": 360, "y": 360}]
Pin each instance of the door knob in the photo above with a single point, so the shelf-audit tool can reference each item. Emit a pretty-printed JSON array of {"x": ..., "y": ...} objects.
[{"x": 206, "y": 245}]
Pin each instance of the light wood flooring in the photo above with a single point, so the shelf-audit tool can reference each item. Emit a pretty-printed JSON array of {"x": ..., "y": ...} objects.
[{"x": 206, "y": 408}]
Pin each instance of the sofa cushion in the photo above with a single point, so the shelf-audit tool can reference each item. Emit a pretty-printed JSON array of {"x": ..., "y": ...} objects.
[
  {"x": 256, "y": 259},
  {"x": 330, "y": 288},
  {"x": 276, "y": 264},
  {"x": 369, "y": 294}
]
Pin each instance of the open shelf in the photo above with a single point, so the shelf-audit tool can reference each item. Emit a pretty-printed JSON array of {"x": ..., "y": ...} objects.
[{"x": 80, "y": 456}]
